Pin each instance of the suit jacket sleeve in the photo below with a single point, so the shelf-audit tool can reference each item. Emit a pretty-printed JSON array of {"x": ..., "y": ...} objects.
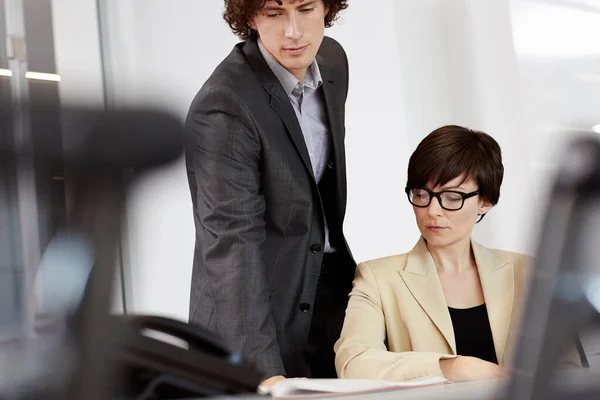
[
  {"x": 224, "y": 157},
  {"x": 361, "y": 352}
]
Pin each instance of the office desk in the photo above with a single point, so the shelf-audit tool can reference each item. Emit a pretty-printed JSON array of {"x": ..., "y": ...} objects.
[
  {"x": 571, "y": 384},
  {"x": 450, "y": 391},
  {"x": 466, "y": 390}
]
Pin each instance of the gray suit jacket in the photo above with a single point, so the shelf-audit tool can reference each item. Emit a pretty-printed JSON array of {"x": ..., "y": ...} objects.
[{"x": 258, "y": 211}]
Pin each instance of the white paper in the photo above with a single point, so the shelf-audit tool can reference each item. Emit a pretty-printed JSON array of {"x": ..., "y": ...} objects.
[{"x": 308, "y": 387}]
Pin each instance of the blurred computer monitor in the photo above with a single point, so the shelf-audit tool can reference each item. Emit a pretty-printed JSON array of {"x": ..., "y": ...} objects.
[{"x": 564, "y": 295}]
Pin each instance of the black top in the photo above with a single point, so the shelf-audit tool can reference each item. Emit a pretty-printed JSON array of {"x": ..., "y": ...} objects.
[{"x": 473, "y": 333}]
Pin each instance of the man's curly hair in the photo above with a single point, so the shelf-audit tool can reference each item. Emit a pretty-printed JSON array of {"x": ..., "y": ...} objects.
[{"x": 239, "y": 12}]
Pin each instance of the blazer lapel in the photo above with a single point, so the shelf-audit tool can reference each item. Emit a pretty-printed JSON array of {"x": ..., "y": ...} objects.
[
  {"x": 279, "y": 100},
  {"x": 497, "y": 282},
  {"x": 281, "y": 104},
  {"x": 421, "y": 278},
  {"x": 336, "y": 125}
]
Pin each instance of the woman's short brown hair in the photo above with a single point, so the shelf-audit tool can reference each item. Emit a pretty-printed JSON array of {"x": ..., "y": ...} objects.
[
  {"x": 452, "y": 151},
  {"x": 238, "y": 13}
]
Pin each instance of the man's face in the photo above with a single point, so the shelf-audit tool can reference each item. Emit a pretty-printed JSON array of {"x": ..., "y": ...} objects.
[{"x": 292, "y": 32}]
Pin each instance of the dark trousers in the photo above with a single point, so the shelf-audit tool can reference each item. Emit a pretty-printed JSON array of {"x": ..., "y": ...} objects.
[{"x": 330, "y": 304}]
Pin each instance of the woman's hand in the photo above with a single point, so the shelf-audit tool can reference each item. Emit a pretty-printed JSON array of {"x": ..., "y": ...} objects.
[{"x": 470, "y": 369}]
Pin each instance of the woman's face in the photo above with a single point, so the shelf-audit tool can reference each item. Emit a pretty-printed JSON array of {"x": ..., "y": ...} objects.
[{"x": 442, "y": 228}]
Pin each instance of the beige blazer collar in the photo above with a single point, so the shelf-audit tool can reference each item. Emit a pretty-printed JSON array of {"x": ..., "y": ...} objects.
[{"x": 497, "y": 282}]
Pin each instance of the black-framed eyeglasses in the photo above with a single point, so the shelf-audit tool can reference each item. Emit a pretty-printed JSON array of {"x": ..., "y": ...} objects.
[{"x": 450, "y": 200}]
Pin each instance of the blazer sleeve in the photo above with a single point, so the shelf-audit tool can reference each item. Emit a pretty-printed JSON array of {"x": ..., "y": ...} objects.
[
  {"x": 361, "y": 351},
  {"x": 223, "y": 161}
]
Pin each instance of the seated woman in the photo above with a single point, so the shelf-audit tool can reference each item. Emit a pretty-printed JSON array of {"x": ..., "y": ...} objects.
[{"x": 450, "y": 305}]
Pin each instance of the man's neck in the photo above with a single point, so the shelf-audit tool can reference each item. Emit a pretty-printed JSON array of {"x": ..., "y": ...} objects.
[{"x": 299, "y": 74}]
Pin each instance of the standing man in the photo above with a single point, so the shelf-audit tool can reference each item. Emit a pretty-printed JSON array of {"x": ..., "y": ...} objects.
[{"x": 267, "y": 174}]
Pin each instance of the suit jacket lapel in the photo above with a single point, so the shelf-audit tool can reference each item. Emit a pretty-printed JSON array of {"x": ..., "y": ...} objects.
[
  {"x": 279, "y": 100},
  {"x": 497, "y": 282},
  {"x": 421, "y": 278},
  {"x": 281, "y": 104},
  {"x": 336, "y": 125}
]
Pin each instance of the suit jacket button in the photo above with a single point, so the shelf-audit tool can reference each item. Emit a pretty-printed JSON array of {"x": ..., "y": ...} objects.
[
  {"x": 304, "y": 307},
  {"x": 316, "y": 248}
]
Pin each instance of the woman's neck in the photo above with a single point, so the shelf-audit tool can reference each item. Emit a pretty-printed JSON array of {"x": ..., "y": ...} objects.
[{"x": 453, "y": 259}]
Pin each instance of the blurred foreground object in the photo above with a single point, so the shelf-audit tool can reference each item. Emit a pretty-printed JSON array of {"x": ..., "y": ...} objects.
[
  {"x": 93, "y": 355},
  {"x": 564, "y": 295}
]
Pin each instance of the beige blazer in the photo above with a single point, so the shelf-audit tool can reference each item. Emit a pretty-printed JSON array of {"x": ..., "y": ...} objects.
[{"x": 397, "y": 323}]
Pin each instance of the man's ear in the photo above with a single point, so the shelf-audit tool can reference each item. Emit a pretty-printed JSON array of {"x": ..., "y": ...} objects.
[{"x": 251, "y": 23}]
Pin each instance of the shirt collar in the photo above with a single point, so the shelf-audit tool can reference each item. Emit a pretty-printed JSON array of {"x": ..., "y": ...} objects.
[{"x": 289, "y": 82}]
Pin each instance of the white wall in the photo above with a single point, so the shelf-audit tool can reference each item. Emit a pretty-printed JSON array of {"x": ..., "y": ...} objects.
[
  {"x": 415, "y": 65},
  {"x": 77, "y": 51},
  {"x": 559, "y": 63}
]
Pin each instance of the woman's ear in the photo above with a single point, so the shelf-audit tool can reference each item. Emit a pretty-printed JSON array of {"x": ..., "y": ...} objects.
[{"x": 484, "y": 206}]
